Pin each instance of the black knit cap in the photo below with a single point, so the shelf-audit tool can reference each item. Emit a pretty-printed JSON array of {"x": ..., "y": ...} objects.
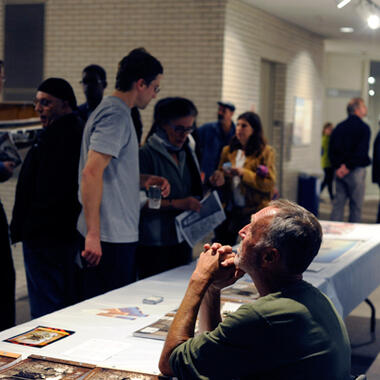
[{"x": 59, "y": 88}]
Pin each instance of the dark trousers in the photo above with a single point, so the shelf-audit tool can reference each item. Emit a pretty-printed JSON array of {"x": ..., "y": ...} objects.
[
  {"x": 351, "y": 187},
  {"x": 117, "y": 268},
  {"x": 152, "y": 260},
  {"x": 7, "y": 276},
  {"x": 52, "y": 275},
  {"x": 328, "y": 181}
]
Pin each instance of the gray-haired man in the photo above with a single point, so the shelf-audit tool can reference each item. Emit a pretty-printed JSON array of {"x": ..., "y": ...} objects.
[{"x": 291, "y": 332}]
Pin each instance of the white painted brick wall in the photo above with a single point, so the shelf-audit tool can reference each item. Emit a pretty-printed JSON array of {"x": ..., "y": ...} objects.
[
  {"x": 186, "y": 36},
  {"x": 210, "y": 49},
  {"x": 252, "y": 35}
]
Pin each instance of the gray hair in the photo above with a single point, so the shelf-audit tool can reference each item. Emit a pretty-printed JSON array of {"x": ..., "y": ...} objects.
[
  {"x": 295, "y": 233},
  {"x": 353, "y": 104}
]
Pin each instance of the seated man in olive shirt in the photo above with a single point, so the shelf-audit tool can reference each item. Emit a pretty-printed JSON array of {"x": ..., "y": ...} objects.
[{"x": 291, "y": 332}]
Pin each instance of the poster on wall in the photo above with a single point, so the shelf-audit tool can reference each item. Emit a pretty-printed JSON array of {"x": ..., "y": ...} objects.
[{"x": 302, "y": 121}]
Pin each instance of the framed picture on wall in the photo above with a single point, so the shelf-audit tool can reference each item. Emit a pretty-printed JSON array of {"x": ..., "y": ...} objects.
[{"x": 302, "y": 121}]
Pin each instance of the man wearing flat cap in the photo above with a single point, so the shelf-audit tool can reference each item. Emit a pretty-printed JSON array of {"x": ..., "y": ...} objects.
[
  {"x": 214, "y": 136},
  {"x": 46, "y": 206}
]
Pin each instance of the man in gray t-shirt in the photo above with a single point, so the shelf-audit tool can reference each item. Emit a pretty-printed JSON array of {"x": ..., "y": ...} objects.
[{"x": 109, "y": 177}]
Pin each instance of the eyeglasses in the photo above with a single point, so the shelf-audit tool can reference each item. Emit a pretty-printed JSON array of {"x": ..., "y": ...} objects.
[
  {"x": 181, "y": 129},
  {"x": 156, "y": 88},
  {"x": 42, "y": 102}
]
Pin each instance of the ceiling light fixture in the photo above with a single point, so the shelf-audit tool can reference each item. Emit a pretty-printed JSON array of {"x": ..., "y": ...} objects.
[
  {"x": 342, "y": 3},
  {"x": 371, "y": 10},
  {"x": 346, "y": 29},
  {"x": 373, "y": 21}
]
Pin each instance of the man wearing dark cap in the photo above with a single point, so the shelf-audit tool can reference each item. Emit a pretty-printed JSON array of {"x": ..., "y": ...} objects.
[
  {"x": 214, "y": 136},
  {"x": 46, "y": 205}
]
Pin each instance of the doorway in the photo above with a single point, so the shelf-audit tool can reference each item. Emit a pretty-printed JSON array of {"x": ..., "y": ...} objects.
[
  {"x": 272, "y": 112},
  {"x": 267, "y": 86}
]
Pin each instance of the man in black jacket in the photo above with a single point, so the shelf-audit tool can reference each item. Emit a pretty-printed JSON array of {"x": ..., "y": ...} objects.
[
  {"x": 46, "y": 206},
  {"x": 7, "y": 271},
  {"x": 376, "y": 167},
  {"x": 348, "y": 151}
]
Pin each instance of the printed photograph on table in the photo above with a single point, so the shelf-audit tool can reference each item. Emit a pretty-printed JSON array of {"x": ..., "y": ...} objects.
[
  {"x": 115, "y": 374},
  {"x": 7, "y": 358},
  {"x": 159, "y": 329},
  {"x": 334, "y": 228},
  {"x": 37, "y": 367},
  {"x": 39, "y": 337},
  {"x": 130, "y": 313},
  {"x": 333, "y": 249},
  {"x": 241, "y": 291},
  {"x": 156, "y": 330}
]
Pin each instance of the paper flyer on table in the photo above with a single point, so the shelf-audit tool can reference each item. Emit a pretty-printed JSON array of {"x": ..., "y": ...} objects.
[
  {"x": 96, "y": 350},
  {"x": 193, "y": 226}
]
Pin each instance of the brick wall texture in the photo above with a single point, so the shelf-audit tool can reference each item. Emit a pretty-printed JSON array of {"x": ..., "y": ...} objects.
[
  {"x": 252, "y": 35},
  {"x": 210, "y": 49}
]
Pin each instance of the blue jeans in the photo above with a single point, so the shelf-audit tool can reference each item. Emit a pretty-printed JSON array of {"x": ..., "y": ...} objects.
[
  {"x": 351, "y": 187},
  {"x": 52, "y": 276},
  {"x": 117, "y": 268}
]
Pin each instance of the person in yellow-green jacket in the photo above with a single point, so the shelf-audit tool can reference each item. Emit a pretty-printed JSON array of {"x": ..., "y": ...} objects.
[
  {"x": 246, "y": 176},
  {"x": 325, "y": 160}
]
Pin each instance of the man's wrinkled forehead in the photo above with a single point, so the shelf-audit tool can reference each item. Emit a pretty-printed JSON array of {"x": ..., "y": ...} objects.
[
  {"x": 263, "y": 218},
  {"x": 264, "y": 213}
]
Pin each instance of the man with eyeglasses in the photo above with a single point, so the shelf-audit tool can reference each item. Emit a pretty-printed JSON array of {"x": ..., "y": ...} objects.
[
  {"x": 110, "y": 180},
  {"x": 169, "y": 152},
  {"x": 46, "y": 205},
  {"x": 94, "y": 82}
]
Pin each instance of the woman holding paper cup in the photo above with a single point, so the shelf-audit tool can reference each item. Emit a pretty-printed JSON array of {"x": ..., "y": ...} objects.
[
  {"x": 168, "y": 152},
  {"x": 246, "y": 175}
]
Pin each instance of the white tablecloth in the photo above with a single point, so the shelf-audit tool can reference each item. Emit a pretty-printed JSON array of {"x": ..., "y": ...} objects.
[{"x": 347, "y": 280}]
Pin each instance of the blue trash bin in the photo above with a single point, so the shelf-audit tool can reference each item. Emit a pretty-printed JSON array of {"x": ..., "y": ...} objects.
[{"x": 308, "y": 192}]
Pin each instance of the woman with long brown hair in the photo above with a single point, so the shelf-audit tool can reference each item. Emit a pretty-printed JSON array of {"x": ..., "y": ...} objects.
[{"x": 246, "y": 173}]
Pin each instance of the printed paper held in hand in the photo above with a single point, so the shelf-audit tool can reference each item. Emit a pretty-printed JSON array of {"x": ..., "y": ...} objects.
[
  {"x": 8, "y": 150},
  {"x": 193, "y": 226}
]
